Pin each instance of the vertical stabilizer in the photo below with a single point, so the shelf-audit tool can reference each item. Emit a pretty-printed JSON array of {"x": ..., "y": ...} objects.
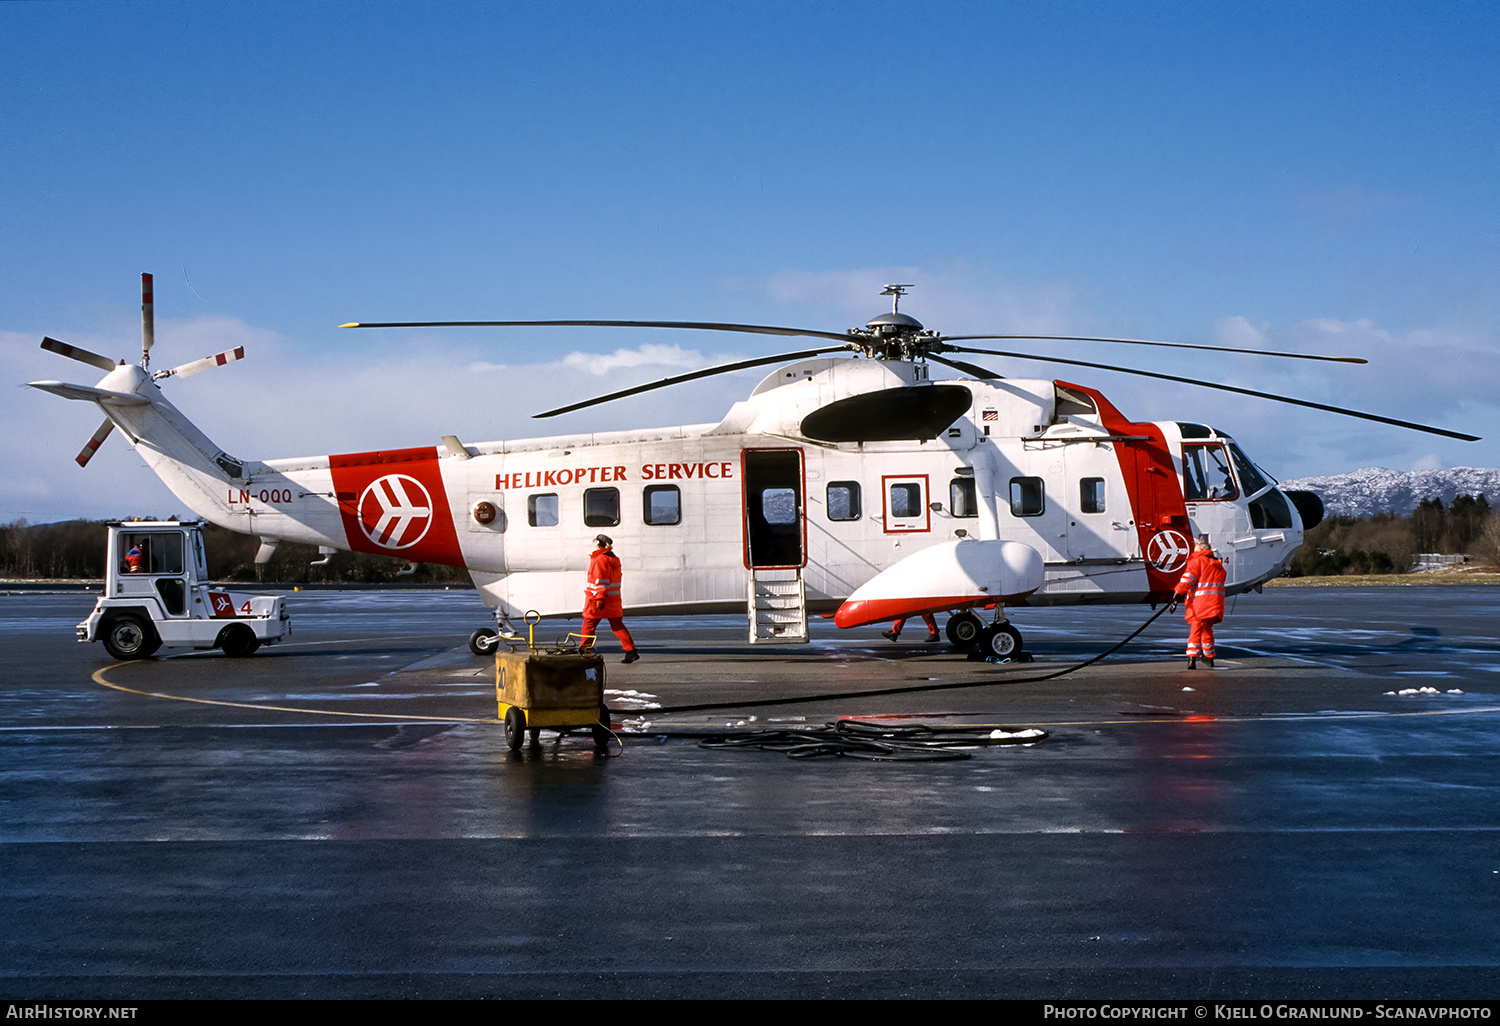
[{"x": 196, "y": 470}]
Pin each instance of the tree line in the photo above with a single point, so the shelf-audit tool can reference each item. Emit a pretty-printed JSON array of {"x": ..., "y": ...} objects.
[
  {"x": 1381, "y": 544},
  {"x": 74, "y": 549},
  {"x": 1387, "y": 544}
]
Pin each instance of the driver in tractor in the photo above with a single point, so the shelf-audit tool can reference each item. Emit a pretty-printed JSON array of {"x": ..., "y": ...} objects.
[{"x": 135, "y": 562}]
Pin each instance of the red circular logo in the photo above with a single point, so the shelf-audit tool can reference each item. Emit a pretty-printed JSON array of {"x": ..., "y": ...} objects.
[
  {"x": 395, "y": 511},
  {"x": 1167, "y": 551}
]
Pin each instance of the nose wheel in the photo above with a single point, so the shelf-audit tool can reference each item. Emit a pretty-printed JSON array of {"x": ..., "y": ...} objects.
[{"x": 483, "y": 641}]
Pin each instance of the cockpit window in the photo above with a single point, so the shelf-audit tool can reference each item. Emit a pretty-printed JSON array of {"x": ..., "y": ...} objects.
[
  {"x": 1205, "y": 474},
  {"x": 1250, "y": 475}
]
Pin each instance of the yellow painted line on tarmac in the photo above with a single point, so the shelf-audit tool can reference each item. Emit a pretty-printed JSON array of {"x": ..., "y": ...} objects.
[{"x": 98, "y": 676}]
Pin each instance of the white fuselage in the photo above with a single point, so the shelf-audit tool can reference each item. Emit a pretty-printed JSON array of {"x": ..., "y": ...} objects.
[{"x": 691, "y": 508}]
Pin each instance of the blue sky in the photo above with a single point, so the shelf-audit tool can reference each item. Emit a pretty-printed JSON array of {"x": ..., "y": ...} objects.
[{"x": 1317, "y": 177}]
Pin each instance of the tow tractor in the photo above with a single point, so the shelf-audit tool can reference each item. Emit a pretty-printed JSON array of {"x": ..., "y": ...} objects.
[{"x": 157, "y": 592}]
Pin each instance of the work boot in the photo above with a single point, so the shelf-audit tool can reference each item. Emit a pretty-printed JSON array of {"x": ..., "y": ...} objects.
[
  {"x": 631, "y": 656},
  {"x": 1209, "y": 662},
  {"x": 890, "y": 635},
  {"x": 1192, "y": 663},
  {"x": 934, "y": 636}
]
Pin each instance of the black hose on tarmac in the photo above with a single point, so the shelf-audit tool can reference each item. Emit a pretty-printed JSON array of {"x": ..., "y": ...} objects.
[{"x": 912, "y": 689}]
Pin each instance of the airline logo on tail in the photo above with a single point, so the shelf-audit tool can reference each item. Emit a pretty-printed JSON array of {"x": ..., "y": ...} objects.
[
  {"x": 1167, "y": 551},
  {"x": 393, "y": 502},
  {"x": 395, "y": 511}
]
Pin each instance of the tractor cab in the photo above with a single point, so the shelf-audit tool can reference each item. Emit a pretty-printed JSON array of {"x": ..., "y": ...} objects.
[{"x": 157, "y": 592}]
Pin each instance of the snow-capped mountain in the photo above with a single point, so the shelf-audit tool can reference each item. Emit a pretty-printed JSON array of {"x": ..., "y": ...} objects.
[{"x": 1371, "y": 490}]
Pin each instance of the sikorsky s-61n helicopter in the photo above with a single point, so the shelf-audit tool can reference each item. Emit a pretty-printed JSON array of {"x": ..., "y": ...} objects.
[{"x": 847, "y": 484}]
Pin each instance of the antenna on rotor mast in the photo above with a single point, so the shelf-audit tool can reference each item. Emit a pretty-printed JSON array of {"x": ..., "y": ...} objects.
[{"x": 895, "y": 292}]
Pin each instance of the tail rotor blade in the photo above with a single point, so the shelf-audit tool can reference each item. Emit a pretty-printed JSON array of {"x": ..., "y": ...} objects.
[
  {"x": 92, "y": 446},
  {"x": 52, "y": 345},
  {"x": 217, "y": 360},
  {"x": 148, "y": 319}
]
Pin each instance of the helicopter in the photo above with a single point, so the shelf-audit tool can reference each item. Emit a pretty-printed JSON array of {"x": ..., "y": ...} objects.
[{"x": 849, "y": 483}]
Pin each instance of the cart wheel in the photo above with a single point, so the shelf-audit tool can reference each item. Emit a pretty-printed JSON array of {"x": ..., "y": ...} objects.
[
  {"x": 238, "y": 641},
  {"x": 515, "y": 728},
  {"x": 128, "y": 636},
  {"x": 601, "y": 729}
]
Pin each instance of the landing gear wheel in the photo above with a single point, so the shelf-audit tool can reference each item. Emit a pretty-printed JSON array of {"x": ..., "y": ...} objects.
[
  {"x": 483, "y": 641},
  {"x": 964, "y": 629},
  {"x": 601, "y": 729},
  {"x": 238, "y": 641},
  {"x": 515, "y": 728},
  {"x": 1000, "y": 640},
  {"x": 130, "y": 637}
]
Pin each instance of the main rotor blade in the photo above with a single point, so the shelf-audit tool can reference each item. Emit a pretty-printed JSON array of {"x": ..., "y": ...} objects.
[
  {"x": 690, "y": 376},
  {"x": 971, "y": 369},
  {"x": 1148, "y": 342},
  {"x": 754, "y": 329},
  {"x": 52, "y": 345},
  {"x": 1230, "y": 388}
]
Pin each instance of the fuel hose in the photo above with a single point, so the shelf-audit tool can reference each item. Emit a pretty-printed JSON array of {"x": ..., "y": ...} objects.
[{"x": 910, "y": 689}]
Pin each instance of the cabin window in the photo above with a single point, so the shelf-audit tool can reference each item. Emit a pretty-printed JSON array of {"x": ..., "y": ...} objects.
[
  {"x": 906, "y": 500},
  {"x": 601, "y": 507},
  {"x": 158, "y": 553},
  {"x": 779, "y": 505},
  {"x": 961, "y": 498},
  {"x": 843, "y": 500},
  {"x": 661, "y": 505},
  {"x": 1026, "y": 497},
  {"x": 1091, "y": 495},
  {"x": 1205, "y": 474},
  {"x": 541, "y": 510},
  {"x": 1270, "y": 511},
  {"x": 1250, "y": 475}
]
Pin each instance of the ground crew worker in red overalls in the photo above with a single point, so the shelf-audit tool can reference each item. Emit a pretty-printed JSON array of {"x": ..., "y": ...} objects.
[
  {"x": 135, "y": 563},
  {"x": 601, "y": 598},
  {"x": 1201, "y": 588},
  {"x": 932, "y": 631}
]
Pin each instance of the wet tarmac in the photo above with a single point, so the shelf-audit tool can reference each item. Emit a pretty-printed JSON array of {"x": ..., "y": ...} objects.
[{"x": 339, "y": 816}]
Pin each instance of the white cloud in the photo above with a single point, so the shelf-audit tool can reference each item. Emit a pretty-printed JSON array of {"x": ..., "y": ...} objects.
[
  {"x": 293, "y": 398},
  {"x": 649, "y": 355},
  {"x": 1238, "y": 331}
]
